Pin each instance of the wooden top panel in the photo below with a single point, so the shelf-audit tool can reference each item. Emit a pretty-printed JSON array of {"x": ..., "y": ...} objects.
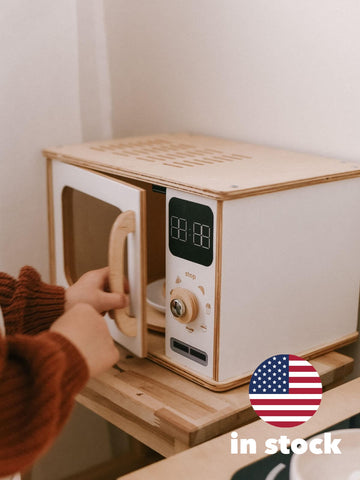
[{"x": 206, "y": 165}]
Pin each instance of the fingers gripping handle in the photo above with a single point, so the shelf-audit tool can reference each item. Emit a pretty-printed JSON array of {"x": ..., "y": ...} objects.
[{"x": 123, "y": 225}]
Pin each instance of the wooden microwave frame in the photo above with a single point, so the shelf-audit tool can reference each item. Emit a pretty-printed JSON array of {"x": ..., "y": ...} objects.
[{"x": 101, "y": 162}]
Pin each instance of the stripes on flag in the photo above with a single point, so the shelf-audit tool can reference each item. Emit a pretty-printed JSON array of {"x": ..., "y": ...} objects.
[{"x": 285, "y": 390}]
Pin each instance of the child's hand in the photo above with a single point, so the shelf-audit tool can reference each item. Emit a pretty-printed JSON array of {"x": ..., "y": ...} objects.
[
  {"x": 87, "y": 330},
  {"x": 92, "y": 288}
]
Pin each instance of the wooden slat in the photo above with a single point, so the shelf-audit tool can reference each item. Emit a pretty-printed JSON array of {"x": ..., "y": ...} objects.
[{"x": 167, "y": 412}]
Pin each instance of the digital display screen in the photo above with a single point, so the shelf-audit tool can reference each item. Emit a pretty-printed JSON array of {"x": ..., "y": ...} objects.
[{"x": 191, "y": 228}]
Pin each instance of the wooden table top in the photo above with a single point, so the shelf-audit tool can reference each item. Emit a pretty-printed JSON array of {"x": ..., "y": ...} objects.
[
  {"x": 212, "y": 460},
  {"x": 169, "y": 413}
]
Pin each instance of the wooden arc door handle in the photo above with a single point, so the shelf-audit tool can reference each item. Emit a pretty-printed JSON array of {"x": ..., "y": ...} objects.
[{"x": 123, "y": 225}]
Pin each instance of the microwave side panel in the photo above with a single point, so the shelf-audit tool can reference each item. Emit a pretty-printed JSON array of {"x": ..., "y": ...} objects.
[{"x": 290, "y": 273}]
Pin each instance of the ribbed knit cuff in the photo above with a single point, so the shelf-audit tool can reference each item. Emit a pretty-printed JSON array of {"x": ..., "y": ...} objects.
[
  {"x": 44, "y": 302},
  {"x": 40, "y": 376}
]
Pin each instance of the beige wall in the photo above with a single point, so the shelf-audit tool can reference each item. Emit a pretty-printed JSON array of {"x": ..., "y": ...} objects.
[
  {"x": 283, "y": 73},
  {"x": 41, "y": 103},
  {"x": 94, "y": 74},
  {"x": 39, "y": 98}
]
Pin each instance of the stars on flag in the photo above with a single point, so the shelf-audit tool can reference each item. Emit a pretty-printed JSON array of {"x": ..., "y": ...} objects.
[{"x": 285, "y": 390}]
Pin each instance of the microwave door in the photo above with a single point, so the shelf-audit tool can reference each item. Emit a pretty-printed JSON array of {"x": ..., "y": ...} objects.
[{"x": 100, "y": 220}]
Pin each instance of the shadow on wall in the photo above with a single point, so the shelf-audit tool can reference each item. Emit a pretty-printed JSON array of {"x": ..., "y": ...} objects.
[{"x": 91, "y": 449}]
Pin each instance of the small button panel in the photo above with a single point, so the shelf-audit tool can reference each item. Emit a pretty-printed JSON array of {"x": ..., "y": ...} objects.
[
  {"x": 197, "y": 278},
  {"x": 188, "y": 351}
]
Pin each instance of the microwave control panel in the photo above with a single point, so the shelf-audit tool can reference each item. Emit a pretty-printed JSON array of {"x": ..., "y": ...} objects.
[
  {"x": 190, "y": 280},
  {"x": 191, "y": 227}
]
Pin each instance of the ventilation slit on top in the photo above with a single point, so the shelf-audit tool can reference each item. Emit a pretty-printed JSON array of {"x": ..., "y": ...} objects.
[{"x": 170, "y": 154}]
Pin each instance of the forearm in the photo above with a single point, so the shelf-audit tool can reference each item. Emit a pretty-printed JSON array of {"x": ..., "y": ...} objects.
[
  {"x": 39, "y": 378},
  {"x": 28, "y": 304}
]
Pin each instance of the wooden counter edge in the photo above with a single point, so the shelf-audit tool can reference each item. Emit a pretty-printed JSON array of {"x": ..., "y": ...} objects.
[
  {"x": 169, "y": 435},
  {"x": 212, "y": 460}
]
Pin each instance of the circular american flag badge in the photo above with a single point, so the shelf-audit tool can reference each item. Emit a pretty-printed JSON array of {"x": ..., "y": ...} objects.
[{"x": 285, "y": 390}]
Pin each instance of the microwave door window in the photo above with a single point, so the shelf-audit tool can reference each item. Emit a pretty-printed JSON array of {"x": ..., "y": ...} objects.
[{"x": 87, "y": 223}]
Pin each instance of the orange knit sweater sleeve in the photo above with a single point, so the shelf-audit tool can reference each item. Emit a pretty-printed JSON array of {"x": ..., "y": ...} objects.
[{"x": 40, "y": 371}]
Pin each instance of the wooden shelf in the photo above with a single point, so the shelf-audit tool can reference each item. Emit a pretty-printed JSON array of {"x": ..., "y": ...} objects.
[
  {"x": 169, "y": 413},
  {"x": 213, "y": 461}
]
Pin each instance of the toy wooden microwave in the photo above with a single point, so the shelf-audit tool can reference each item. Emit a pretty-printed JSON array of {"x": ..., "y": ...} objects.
[{"x": 233, "y": 252}]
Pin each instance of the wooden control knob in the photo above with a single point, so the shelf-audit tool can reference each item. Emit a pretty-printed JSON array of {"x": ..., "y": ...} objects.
[{"x": 183, "y": 305}]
